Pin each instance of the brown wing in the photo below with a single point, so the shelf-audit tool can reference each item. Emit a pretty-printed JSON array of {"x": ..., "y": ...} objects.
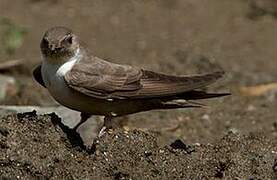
[
  {"x": 98, "y": 78},
  {"x": 161, "y": 85},
  {"x": 101, "y": 79}
]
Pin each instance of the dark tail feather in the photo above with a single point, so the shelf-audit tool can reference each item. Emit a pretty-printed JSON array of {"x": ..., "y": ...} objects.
[{"x": 194, "y": 95}]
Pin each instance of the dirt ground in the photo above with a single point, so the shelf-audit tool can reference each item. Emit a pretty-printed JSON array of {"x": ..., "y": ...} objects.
[
  {"x": 234, "y": 138},
  {"x": 34, "y": 146}
]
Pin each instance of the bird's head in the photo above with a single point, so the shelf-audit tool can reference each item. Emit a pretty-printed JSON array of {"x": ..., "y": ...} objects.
[{"x": 58, "y": 45}]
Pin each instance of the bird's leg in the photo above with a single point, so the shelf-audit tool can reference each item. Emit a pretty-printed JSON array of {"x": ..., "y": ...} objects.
[
  {"x": 108, "y": 124},
  {"x": 84, "y": 118}
]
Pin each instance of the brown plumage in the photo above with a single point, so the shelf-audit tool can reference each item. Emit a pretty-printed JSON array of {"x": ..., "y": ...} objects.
[{"x": 101, "y": 79}]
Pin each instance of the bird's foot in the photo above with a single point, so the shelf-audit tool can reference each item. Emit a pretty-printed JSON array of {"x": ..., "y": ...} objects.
[
  {"x": 108, "y": 126},
  {"x": 102, "y": 131}
]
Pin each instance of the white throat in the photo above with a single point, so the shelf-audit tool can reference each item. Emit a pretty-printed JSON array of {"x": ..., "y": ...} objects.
[{"x": 63, "y": 69}]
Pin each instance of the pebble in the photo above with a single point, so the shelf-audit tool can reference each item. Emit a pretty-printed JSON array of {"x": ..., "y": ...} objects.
[
  {"x": 8, "y": 87},
  {"x": 251, "y": 108},
  {"x": 205, "y": 117}
]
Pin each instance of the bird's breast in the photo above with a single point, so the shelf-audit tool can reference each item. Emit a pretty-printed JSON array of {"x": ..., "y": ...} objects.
[
  {"x": 63, "y": 94},
  {"x": 54, "y": 82}
]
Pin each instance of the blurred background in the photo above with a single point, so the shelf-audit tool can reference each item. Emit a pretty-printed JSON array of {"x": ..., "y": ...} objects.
[{"x": 171, "y": 36}]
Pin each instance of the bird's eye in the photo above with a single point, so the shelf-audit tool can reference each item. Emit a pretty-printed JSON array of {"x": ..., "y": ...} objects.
[{"x": 69, "y": 39}]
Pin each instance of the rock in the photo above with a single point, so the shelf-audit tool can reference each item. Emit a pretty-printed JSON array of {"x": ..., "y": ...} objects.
[
  {"x": 88, "y": 131},
  {"x": 69, "y": 117},
  {"x": 7, "y": 87}
]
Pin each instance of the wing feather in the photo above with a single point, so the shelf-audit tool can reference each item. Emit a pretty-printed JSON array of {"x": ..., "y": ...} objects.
[
  {"x": 101, "y": 79},
  {"x": 158, "y": 85}
]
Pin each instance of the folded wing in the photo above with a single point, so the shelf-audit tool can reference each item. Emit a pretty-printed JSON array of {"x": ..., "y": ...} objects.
[{"x": 104, "y": 80}]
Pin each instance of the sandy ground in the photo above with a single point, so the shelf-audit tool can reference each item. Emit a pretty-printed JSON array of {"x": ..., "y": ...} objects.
[{"x": 176, "y": 37}]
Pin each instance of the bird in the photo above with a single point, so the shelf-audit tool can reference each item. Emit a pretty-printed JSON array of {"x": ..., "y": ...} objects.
[{"x": 81, "y": 81}]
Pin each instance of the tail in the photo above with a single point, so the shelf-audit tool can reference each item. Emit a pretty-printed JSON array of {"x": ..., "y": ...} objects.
[{"x": 194, "y": 95}]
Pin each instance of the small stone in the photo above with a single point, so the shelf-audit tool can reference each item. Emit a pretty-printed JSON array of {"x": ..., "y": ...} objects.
[
  {"x": 273, "y": 152},
  {"x": 8, "y": 87},
  {"x": 205, "y": 117},
  {"x": 161, "y": 151},
  {"x": 251, "y": 108},
  {"x": 126, "y": 128}
]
